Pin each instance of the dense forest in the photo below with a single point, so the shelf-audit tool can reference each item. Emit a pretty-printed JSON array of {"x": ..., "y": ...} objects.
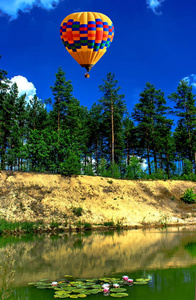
[{"x": 105, "y": 140}]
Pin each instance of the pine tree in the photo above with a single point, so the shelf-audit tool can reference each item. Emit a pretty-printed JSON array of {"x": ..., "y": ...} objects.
[
  {"x": 37, "y": 114},
  {"x": 130, "y": 138},
  {"x": 4, "y": 88},
  {"x": 94, "y": 125},
  {"x": 113, "y": 109},
  {"x": 185, "y": 110},
  {"x": 7, "y": 117},
  {"x": 149, "y": 114},
  {"x": 67, "y": 113},
  {"x": 62, "y": 91}
]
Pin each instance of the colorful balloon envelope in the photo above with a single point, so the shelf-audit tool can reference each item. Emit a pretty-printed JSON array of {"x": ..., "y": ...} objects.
[{"x": 87, "y": 36}]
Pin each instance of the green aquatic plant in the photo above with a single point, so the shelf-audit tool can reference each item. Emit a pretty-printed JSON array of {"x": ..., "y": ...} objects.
[
  {"x": 81, "y": 288},
  {"x": 119, "y": 295},
  {"x": 118, "y": 290},
  {"x": 141, "y": 281}
]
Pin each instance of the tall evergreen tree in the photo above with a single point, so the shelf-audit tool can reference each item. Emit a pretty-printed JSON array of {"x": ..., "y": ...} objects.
[
  {"x": 62, "y": 91},
  {"x": 130, "y": 138},
  {"x": 7, "y": 118},
  {"x": 37, "y": 114},
  {"x": 113, "y": 110},
  {"x": 4, "y": 87},
  {"x": 149, "y": 114},
  {"x": 185, "y": 110},
  {"x": 94, "y": 126}
]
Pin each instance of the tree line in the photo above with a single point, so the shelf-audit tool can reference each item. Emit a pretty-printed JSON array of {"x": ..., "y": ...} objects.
[{"x": 104, "y": 140}]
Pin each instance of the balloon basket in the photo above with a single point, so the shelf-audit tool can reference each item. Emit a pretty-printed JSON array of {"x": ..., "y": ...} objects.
[{"x": 86, "y": 75}]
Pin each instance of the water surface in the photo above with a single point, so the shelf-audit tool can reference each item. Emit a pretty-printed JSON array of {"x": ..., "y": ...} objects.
[{"x": 168, "y": 256}]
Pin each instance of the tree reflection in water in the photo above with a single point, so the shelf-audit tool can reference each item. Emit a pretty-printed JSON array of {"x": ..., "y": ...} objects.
[{"x": 7, "y": 273}]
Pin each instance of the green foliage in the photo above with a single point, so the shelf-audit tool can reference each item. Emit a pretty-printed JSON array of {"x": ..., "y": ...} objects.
[
  {"x": 187, "y": 167},
  {"x": 84, "y": 287},
  {"x": 87, "y": 166},
  {"x": 71, "y": 165},
  {"x": 87, "y": 226},
  {"x": 88, "y": 170},
  {"x": 54, "y": 224},
  {"x": 102, "y": 168},
  {"x": 113, "y": 108},
  {"x": 110, "y": 181},
  {"x": 159, "y": 174},
  {"x": 134, "y": 169},
  {"x": 109, "y": 223},
  {"x": 9, "y": 227},
  {"x": 113, "y": 171},
  {"x": 185, "y": 110},
  {"x": 28, "y": 227},
  {"x": 55, "y": 139},
  {"x": 77, "y": 211},
  {"x": 189, "y": 196}
]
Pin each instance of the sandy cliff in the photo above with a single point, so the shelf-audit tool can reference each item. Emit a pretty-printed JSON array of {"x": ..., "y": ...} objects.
[{"x": 32, "y": 197}]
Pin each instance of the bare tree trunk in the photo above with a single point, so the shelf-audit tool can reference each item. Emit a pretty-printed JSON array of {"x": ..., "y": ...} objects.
[
  {"x": 128, "y": 156},
  {"x": 112, "y": 127}
]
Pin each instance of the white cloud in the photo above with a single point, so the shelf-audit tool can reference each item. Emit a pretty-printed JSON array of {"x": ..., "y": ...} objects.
[
  {"x": 24, "y": 86},
  {"x": 155, "y": 5},
  {"x": 191, "y": 79},
  {"x": 143, "y": 163},
  {"x": 12, "y": 7}
]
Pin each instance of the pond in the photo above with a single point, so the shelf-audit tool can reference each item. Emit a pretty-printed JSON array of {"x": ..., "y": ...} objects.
[{"x": 166, "y": 256}]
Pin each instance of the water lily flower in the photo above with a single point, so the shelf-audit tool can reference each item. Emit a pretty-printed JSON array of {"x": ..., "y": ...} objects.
[
  {"x": 116, "y": 285},
  {"x": 54, "y": 283},
  {"x": 125, "y": 277},
  {"x": 106, "y": 290},
  {"x": 105, "y": 285},
  {"x": 130, "y": 280}
]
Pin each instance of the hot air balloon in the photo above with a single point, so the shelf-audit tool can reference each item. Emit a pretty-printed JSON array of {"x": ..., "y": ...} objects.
[{"x": 87, "y": 36}]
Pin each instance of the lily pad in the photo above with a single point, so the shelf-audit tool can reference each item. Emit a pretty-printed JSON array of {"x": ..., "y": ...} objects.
[
  {"x": 62, "y": 293},
  {"x": 44, "y": 280},
  {"x": 118, "y": 290},
  {"x": 89, "y": 283},
  {"x": 61, "y": 296},
  {"x": 94, "y": 291},
  {"x": 87, "y": 292},
  {"x": 73, "y": 296},
  {"x": 96, "y": 286},
  {"x": 69, "y": 277},
  {"x": 74, "y": 283},
  {"x": 69, "y": 288},
  {"x": 115, "y": 279},
  {"x": 81, "y": 295},
  {"x": 91, "y": 279},
  {"x": 140, "y": 282},
  {"x": 78, "y": 291},
  {"x": 142, "y": 279},
  {"x": 119, "y": 295},
  {"x": 105, "y": 279}
]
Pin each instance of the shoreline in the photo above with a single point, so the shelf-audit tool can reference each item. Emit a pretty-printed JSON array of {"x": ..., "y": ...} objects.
[{"x": 93, "y": 228}]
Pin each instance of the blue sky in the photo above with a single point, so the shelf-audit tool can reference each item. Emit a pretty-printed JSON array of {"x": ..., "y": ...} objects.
[{"x": 154, "y": 42}]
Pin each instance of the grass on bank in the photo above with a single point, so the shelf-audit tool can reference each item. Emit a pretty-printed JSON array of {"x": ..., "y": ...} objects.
[{"x": 9, "y": 226}]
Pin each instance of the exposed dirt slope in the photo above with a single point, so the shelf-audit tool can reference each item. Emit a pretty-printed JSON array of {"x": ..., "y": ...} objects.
[{"x": 32, "y": 197}]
